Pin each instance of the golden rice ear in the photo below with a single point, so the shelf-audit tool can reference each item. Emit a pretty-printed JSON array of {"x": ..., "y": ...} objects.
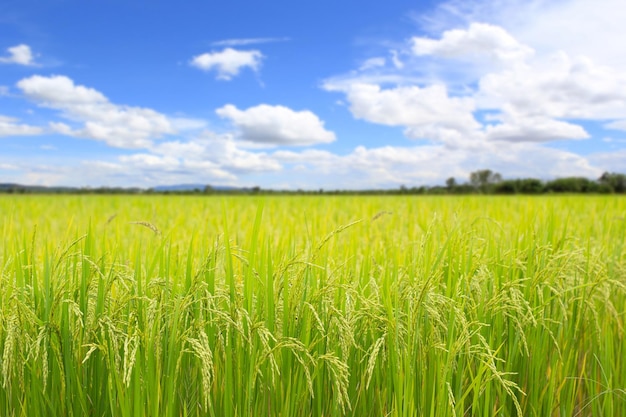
[
  {"x": 148, "y": 225},
  {"x": 381, "y": 214},
  {"x": 453, "y": 306}
]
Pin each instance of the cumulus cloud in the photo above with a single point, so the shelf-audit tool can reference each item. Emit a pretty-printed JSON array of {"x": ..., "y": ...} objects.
[
  {"x": 559, "y": 86},
  {"x": 574, "y": 71},
  {"x": 391, "y": 166},
  {"x": 10, "y": 126},
  {"x": 143, "y": 170},
  {"x": 410, "y": 106},
  {"x": 219, "y": 159},
  {"x": 479, "y": 40},
  {"x": 208, "y": 158},
  {"x": 228, "y": 62},
  {"x": 59, "y": 91},
  {"x": 510, "y": 59},
  {"x": 277, "y": 125},
  {"x": 221, "y": 150},
  {"x": 20, "y": 54},
  {"x": 534, "y": 129},
  {"x": 117, "y": 125},
  {"x": 449, "y": 78},
  {"x": 577, "y": 27},
  {"x": 149, "y": 162}
]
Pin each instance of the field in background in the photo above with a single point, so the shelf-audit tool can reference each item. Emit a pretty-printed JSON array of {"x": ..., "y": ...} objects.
[{"x": 312, "y": 306}]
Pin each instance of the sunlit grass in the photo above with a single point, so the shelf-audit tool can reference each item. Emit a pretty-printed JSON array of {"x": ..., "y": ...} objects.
[{"x": 312, "y": 306}]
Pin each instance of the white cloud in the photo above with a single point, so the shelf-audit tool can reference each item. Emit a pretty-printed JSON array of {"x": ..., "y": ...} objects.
[
  {"x": 220, "y": 150},
  {"x": 148, "y": 170},
  {"x": 395, "y": 58},
  {"x": 151, "y": 162},
  {"x": 535, "y": 129},
  {"x": 539, "y": 68},
  {"x": 59, "y": 91},
  {"x": 61, "y": 128},
  {"x": 20, "y": 54},
  {"x": 613, "y": 161},
  {"x": 228, "y": 63},
  {"x": 9, "y": 126},
  {"x": 206, "y": 159},
  {"x": 8, "y": 167},
  {"x": 370, "y": 63},
  {"x": 519, "y": 160},
  {"x": 310, "y": 168},
  {"x": 277, "y": 125},
  {"x": 617, "y": 125},
  {"x": 590, "y": 28},
  {"x": 558, "y": 86},
  {"x": 478, "y": 41},
  {"x": 218, "y": 159},
  {"x": 450, "y": 77},
  {"x": 577, "y": 27},
  {"x": 117, "y": 125},
  {"x": 248, "y": 41},
  {"x": 391, "y": 166},
  {"x": 410, "y": 106}
]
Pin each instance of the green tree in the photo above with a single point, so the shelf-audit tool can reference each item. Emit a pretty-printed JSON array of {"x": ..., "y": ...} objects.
[
  {"x": 572, "y": 185},
  {"x": 617, "y": 182},
  {"x": 484, "y": 179},
  {"x": 530, "y": 186},
  {"x": 451, "y": 184}
]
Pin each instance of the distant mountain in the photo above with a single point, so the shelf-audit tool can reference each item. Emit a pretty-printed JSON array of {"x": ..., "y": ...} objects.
[{"x": 174, "y": 188}]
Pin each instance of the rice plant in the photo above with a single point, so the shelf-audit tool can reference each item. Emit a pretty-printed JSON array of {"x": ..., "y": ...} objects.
[{"x": 312, "y": 306}]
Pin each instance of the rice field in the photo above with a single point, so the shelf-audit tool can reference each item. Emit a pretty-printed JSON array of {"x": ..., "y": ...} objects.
[{"x": 312, "y": 306}]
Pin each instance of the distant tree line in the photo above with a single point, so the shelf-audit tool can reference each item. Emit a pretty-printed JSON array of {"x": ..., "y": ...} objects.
[
  {"x": 488, "y": 182},
  {"x": 483, "y": 181},
  {"x": 37, "y": 189}
]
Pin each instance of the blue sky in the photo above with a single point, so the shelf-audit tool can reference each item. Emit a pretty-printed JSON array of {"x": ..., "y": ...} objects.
[{"x": 311, "y": 95}]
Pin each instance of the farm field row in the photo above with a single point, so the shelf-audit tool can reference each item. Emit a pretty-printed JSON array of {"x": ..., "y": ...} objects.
[{"x": 312, "y": 306}]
